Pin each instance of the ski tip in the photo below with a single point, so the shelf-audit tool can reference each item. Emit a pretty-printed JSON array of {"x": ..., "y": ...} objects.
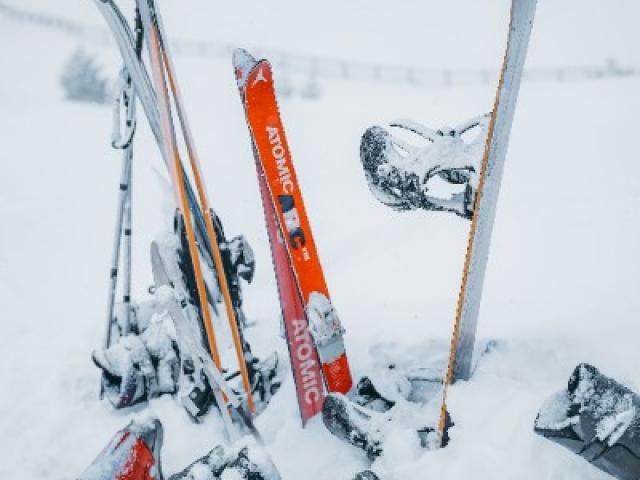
[{"x": 243, "y": 62}]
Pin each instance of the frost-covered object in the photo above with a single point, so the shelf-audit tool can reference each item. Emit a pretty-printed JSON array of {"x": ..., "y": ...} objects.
[
  {"x": 403, "y": 176},
  {"x": 241, "y": 461},
  {"x": 82, "y": 80},
  {"x": 389, "y": 408},
  {"x": 143, "y": 363},
  {"x": 596, "y": 418},
  {"x": 174, "y": 297},
  {"x": 325, "y": 328}
]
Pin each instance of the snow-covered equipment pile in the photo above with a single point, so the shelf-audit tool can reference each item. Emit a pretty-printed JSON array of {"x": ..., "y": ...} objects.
[{"x": 597, "y": 418}]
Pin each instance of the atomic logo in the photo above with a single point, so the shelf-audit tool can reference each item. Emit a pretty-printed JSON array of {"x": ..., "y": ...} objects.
[{"x": 259, "y": 77}]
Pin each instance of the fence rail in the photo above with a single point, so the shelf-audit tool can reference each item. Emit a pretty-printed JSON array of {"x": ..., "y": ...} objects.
[{"x": 317, "y": 67}]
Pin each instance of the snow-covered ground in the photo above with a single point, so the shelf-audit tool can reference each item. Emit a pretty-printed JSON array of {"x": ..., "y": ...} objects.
[{"x": 562, "y": 284}]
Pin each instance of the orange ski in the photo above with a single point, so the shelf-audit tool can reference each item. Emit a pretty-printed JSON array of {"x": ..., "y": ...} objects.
[{"x": 276, "y": 170}]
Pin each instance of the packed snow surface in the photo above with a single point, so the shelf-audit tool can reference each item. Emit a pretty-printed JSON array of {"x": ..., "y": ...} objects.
[{"x": 561, "y": 286}]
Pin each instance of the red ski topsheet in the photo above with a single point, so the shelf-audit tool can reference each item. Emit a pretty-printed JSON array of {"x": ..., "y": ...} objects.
[
  {"x": 304, "y": 358},
  {"x": 280, "y": 179},
  {"x": 305, "y": 363},
  {"x": 271, "y": 144}
]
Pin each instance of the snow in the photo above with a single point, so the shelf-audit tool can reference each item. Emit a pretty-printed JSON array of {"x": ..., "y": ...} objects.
[
  {"x": 553, "y": 414},
  {"x": 561, "y": 285}
]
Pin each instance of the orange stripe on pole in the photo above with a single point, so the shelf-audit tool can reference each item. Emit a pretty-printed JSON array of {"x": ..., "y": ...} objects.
[
  {"x": 177, "y": 176},
  {"x": 469, "y": 253},
  {"x": 213, "y": 240}
]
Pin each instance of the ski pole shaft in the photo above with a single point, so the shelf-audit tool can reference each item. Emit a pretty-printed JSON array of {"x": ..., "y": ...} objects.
[
  {"x": 115, "y": 259},
  {"x": 126, "y": 295}
]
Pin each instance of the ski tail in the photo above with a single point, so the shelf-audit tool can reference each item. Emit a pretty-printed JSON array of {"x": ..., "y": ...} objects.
[
  {"x": 304, "y": 357},
  {"x": 463, "y": 338},
  {"x": 132, "y": 454}
]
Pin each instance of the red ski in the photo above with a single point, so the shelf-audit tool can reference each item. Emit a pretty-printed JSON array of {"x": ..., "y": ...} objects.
[{"x": 308, "y": 314}]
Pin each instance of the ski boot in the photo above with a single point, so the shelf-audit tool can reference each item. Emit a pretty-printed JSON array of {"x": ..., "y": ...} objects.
[
  {"x": 399, "y": 174},
  {"x": 127, "y": 371},
  {"x": 140, "y": 366},
  {"x": 366, "y": 418},
  {"x": 353, "y": 424},
  {"x": 598, "y": 419}
]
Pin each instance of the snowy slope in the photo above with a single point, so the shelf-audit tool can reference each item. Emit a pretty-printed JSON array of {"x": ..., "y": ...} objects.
[{"x": 562, "y": 281}]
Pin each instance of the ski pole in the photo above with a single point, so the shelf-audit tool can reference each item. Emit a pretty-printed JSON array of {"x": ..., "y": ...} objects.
[
  {"x": 125, "y": 177},
  {"x": 145, "y": 92}
]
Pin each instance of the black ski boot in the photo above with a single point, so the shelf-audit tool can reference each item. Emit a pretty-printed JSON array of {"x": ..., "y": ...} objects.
[
  {"x": 367, "y": 395},
  {"x": 597, "y": 418},
  {"x": 127, "y": 371},
  {"x": 352, "y": 423}
]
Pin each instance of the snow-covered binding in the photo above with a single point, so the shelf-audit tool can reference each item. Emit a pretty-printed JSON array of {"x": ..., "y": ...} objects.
[
  {"x": 142, "y": 364},
  {"x": 596, "y": 418},
  {"x": 145, "y": 362},
  {"x": 132, "y": 454},
  {"x": 195, "y": 382},
  {"x": 327, "y": 332},
  {"x": 401, "y": 175}
]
